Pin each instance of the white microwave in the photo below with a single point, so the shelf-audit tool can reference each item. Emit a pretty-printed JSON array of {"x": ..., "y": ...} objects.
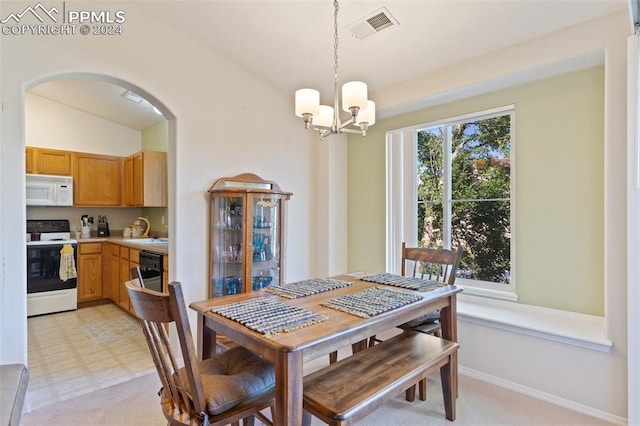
[{"x": 49, "y": 190}]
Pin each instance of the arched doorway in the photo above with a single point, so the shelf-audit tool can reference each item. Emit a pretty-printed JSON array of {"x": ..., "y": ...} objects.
[{"x": 73, "y": 366}]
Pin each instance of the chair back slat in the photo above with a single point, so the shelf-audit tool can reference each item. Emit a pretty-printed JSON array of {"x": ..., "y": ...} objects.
[
  {"x": 155, "y": 311},
  {"x": 433, "y": 264},
  {"x": 189, "y": 353}
]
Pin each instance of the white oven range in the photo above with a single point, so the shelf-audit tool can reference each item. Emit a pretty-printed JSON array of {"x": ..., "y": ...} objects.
[{"x": 51, "y": 288}]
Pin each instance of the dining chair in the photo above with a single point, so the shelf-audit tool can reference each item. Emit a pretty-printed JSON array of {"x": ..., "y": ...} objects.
[
  {"x": 137, "y": 274},
  {"x": 224, "y": 389},
  {"x": 431, "y": 264},
  {"x": 223, "y": 343},
  {"x": 440, "y": 265}
]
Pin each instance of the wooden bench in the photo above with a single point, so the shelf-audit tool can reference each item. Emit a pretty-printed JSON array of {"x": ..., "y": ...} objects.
[{"x": 352, "y": 388}]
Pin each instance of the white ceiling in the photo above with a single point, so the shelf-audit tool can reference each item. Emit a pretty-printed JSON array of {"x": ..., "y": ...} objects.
[
  {"x": 102, "y": 99},
  {"x": 289, "y": 43}
]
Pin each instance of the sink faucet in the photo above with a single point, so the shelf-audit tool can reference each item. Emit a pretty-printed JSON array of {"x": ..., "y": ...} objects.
[{"x": 146, "y": 230}]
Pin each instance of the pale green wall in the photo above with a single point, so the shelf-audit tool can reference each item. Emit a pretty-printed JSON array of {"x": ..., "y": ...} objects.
[
  {"x": 559, "y": 188},
  {"x": 156, "y": 138}
]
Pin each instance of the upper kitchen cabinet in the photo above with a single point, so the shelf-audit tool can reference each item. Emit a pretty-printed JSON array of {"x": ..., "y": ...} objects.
[
  {"x": 48, "y": 161},
  {"x": 145, "y": 179},
  {"x": 247, "y": 234},
  {"x": 97, "y": 179}
]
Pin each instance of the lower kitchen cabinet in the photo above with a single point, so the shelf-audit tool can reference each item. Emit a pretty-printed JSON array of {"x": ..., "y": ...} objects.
[
  {"x": 118, "y": 261},
  {"x": 124, "y": 277},
  {"x": 129, "y": 258},
  {"x": 111, "y": 271},
  {"x": 90, "y": 272}
]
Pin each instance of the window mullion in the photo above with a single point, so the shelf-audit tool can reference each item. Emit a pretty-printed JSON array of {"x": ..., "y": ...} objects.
[{"x": 446, "y": 187}]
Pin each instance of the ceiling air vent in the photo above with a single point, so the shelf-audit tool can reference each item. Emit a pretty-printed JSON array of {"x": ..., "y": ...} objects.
[{"x": 372, "y": 24}]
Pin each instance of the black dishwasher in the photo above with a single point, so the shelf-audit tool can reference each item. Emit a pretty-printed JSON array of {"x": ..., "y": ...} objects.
[{"x": 151, "y": 270}]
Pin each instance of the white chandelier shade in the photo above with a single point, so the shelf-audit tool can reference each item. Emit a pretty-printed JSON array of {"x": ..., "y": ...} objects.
[
  {"x": 325, "y": 117},
  {"x": 354, "y": 95},
  {"x": 367, "y": 115},
  {"x": 307, "y": 102}
]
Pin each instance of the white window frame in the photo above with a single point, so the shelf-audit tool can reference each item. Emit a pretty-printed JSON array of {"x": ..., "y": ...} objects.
[{"x": 402, "y": 203}]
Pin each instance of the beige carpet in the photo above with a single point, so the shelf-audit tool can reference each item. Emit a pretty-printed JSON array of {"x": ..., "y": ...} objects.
[{"x": 136, "y": 403}]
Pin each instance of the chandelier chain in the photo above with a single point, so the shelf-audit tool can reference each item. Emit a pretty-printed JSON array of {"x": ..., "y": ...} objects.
[{"x": 335, "y": 40}]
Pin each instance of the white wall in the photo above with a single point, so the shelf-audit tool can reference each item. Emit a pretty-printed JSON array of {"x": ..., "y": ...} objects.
[
  {"x": 227, "y": 122},
  {"x": 50, "y": 124},
  {"x": 582, "y": 379}
]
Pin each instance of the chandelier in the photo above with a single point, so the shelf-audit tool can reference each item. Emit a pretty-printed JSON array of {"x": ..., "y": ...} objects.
[{"x": 325, "y": 119}]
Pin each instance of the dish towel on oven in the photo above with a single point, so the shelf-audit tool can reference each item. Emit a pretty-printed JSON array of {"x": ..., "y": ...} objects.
[{"x": 67, "y": 263}]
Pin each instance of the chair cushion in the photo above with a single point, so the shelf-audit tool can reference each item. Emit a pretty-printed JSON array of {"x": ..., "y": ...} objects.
[{"x": 233, "y": 377}]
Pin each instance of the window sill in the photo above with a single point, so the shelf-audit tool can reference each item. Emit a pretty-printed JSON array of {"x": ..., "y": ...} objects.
[
  {"x": 586, "y": 331},
  {"x": 475, "y": 290}
]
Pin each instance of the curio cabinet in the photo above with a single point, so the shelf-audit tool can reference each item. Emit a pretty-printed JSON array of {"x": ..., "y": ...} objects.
[{"x": 247, "y": 226}]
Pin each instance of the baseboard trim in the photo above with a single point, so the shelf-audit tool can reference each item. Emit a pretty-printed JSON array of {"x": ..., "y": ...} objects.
[{"x": 543, "y": 396}]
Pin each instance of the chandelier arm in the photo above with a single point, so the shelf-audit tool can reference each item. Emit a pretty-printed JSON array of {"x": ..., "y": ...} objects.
[
  {"x": 353, "y": 131},
  {"x": 347, "y": 123},
  {"x": 326, "y": 133}
]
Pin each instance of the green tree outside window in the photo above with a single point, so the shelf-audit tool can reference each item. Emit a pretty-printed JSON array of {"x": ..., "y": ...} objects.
[{"x": 479, "y": 168}]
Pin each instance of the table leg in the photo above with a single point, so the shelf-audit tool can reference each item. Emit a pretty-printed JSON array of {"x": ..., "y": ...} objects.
[
  {"x": 288, "y": 392},
  {"x": 449, "y": 324},
  {"x": 206, "y": 339}
]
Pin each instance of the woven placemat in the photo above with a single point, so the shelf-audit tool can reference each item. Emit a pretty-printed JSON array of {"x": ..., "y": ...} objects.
[
  {"x": 411, "y": 283},
  {"x": 372, "y": 301},
  {"x": 306, "y": 287},
  {"x": 268, "y": 316}
]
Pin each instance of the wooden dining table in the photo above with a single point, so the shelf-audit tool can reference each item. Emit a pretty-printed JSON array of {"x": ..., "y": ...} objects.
[{"x": 290, "y": 350}]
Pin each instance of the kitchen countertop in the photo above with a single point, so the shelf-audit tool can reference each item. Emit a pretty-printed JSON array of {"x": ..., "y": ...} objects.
[{"x": 126, "y": 241}]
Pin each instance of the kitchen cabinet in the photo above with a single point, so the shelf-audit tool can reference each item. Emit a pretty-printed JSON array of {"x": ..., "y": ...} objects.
[
  {"x": 89, "y": 272},
  {"x": 111, "y": 271},
  {"x": 129, "y": 258},
  {"x": 125, "y": 275},
  {"x": 28, "y": 156},
  {"x": 97, "y": 179},
  {"x": 138, "y": 180},
  {"x": 146, "y": 179},
  {"x": 48, "y": 161},
  {"x": 247, "y": 229}
]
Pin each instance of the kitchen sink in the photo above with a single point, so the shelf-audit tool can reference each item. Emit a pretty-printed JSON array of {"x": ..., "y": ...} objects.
[{"x": 147, "y": 240}]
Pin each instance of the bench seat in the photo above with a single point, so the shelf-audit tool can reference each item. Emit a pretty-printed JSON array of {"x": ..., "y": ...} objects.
[{"x": 350, "y": 389}]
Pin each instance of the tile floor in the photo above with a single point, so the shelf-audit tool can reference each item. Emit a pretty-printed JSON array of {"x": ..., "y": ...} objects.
[{"x": 64, "y": 362}]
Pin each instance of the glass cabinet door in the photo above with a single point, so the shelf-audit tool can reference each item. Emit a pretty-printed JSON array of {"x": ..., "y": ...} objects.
[
  {"x": 227, "y": 247},
  {"x": 265, "y": 241}
]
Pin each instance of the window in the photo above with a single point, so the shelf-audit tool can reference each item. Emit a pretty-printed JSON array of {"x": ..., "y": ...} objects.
[{"x": 460, "y": 192}]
